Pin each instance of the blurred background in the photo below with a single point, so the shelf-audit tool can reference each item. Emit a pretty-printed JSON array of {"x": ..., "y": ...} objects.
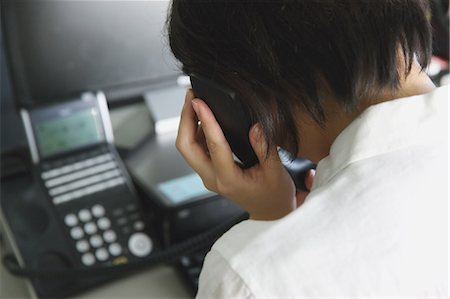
[{"x": 51, "y": 50}]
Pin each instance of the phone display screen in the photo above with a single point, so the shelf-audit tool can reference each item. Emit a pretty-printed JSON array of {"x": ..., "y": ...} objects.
[
  {"x": 184, "y": 188},
  {"x": 66, "y": 133}
]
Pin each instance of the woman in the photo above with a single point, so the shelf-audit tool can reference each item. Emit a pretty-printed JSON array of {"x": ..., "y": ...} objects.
[{"x": 340, "y": 83}]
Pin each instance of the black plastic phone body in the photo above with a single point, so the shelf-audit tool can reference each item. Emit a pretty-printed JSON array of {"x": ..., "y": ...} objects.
[{"x": 231, "y": 116}]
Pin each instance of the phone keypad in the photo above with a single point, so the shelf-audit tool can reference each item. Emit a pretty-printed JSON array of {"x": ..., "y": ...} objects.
[{"x": 100, "y": 238}]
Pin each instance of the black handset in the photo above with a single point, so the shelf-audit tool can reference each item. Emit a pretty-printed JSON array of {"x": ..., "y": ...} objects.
[
  {"x": 231, "y": 116},
  {"x": 297, "y": 167},
  {"x": 235, "y": 123}
]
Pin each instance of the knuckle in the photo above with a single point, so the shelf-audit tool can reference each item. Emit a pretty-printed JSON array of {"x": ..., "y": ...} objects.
[
  {"x": 222, "y": 186},
  {"x": 179, "y": 144},
  {"x": 210, "y": 186},
  {"x": 182, "y": 145}
]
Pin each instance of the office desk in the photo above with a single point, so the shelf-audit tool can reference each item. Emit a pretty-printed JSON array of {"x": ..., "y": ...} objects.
[{"x": 158, "y": 282}]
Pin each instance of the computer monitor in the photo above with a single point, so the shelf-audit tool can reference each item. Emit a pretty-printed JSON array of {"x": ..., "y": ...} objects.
[{"x": 59, "y": 49}]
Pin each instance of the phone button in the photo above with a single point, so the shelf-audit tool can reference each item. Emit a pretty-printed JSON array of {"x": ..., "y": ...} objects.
[
  {"x": 115, "y": 249},
  {"x": 70, "y": 220},
  {"x": 140, "y": 244},
  {"x": 82, "y": 246},
  {"x": 88, "y": 259},
  {"x": 98, "y": 211},
  {"x": 90, "y": 228},
  {"x": 96, "y": 241},
  {"x": 104, "y": 223},
  {"x": 109, "y": 236},
  {"x": 101, "y": 254},
  {"x": 122, "y": 221},
  {"x": 76, "y": 233},
  {"x": 139, "y": 225},
  {"x": 84, "y": 215}
]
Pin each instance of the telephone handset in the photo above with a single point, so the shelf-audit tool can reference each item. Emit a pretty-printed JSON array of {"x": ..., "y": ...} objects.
[
  {"x": 229, "y": 113},
  {"x": 235, "y": 123}
]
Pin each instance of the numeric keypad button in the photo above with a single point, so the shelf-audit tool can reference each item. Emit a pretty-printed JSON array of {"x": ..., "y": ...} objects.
[
  {"x": 104, "y": 223},
  {"x": 90, "y": 228},
  {"x": 82, "y": 246},
  {"x": 115, "y": 249},
  {"x": 70, "y": 220},
  {"x": 96, "y": 241},
  {"x": 98, "y": 211},
  {"x": 101, "y": 254},
  {"x": 84, "y": 215},
  {"x": 88, "y": 259},
  {"x": 76, "y": 233},
  {"x": 109, "y": 236}
]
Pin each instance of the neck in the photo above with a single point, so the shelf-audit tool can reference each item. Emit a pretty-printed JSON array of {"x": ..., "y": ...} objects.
[{"x": 318, "y": 140}]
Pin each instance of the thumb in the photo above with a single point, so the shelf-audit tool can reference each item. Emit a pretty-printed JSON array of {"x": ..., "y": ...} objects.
[{"x": 309, "y": 179}]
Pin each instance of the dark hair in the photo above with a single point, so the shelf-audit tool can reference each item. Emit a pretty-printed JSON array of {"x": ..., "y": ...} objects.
[{"x": 277, "y": 55}]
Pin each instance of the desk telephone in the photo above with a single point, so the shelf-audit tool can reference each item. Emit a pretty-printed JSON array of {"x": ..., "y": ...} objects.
[
  {"x": 72, "y": 147},
  {"x": 90, "y": 218},
  {"x": 85, "y": 211}
]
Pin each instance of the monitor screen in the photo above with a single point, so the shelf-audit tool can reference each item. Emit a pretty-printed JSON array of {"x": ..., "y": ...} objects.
[{"x": 62, "y": 48}]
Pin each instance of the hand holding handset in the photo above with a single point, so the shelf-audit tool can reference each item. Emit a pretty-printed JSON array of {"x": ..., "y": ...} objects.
[
  {"x": 235, "y": 122},
  {"x": 231, "y": 116}
]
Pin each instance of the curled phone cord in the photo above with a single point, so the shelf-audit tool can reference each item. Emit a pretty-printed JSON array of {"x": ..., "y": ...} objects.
[{"x": 193, "y": 244}]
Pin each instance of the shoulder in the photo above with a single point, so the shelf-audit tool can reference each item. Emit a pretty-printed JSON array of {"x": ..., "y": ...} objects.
[{"x": 219, "y": 280}]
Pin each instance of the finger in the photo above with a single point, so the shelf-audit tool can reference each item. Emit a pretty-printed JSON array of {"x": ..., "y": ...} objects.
[
  {"x": 218, "y": 147},
  {"x": 309, "y": 179},
  {"x": 201, "y": 139},
  {"x": 187, "y": 143},
  {"x": 300, "y": 197}
]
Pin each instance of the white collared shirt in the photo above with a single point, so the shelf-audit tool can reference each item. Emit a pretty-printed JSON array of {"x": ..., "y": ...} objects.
[{"x": 374, "y": 225}]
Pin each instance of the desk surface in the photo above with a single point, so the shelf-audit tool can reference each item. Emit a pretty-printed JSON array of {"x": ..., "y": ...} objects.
[{"x": 158, "y": 282}]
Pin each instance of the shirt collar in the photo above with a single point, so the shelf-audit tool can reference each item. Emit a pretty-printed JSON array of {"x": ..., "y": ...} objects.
[{"x": 384, "y": 128}]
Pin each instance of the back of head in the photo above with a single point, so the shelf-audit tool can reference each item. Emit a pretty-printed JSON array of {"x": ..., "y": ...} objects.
[{"x": 279, "y": 55}]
